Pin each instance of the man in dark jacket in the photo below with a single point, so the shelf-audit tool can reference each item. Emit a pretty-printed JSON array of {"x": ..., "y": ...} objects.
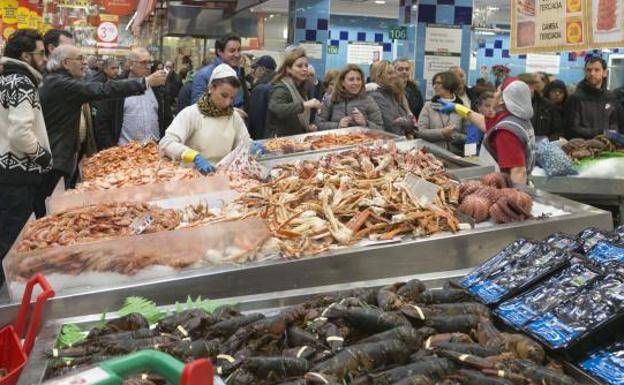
[
  {"x": 62, "y": 95},
  {"x": 173, "y": 84},
  {"x": 142, "y": 117},
  {"x": 415, "y": 99},
  {"x": 110, "y": 71},
  {"x": 264, "y": 71},
  {"x": 592, "y": 109},
  {"x": 24, "y": 147},
  {"x": 546, "y": 118}
]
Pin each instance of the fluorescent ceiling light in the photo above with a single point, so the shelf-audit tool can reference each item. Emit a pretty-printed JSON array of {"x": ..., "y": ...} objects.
[{"x": 380, "y": 1}]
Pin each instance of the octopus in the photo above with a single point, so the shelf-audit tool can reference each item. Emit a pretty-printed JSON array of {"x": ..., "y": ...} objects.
[
  {"x": 492, "y": 197},
  {"x": 104, "y": 221}
]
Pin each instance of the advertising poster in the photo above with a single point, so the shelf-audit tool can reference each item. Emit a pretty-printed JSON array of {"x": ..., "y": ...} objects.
[
  {"x": 548, "y": 25},
  {"x": 607, "y": 29},
  {"x": 364, "y": 53},
  {"x": 566, "y": 25},
  {"x": 442, "y": 51}
]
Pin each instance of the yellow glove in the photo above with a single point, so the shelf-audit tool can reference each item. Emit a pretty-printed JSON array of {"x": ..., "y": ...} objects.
[
  {"x": 462, "y": 110},
  {"x": 189, "y": 155}
]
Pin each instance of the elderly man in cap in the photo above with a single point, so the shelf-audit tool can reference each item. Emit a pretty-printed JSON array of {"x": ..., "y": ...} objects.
[{"x": 264, "y": 72}]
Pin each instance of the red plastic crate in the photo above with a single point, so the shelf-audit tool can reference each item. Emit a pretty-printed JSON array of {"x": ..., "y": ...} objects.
[{"x": 13, "y": 355}]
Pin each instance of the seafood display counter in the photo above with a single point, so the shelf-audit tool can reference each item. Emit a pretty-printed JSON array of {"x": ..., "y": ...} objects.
[
  {"x": 598, "y": 191},
  {"x": 365, "y": 261},
  {"x": 383, "y": 338},
  {"x": 459, "y": 167},
  {"x": 321, "y": 141}
]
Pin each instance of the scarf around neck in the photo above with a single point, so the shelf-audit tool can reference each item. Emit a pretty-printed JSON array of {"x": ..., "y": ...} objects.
[
  {"x": 208, "y": 108},
  {"x": 304, "y": 117}
]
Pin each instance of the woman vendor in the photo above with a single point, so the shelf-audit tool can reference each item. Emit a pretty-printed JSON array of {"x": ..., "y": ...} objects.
[{"x": 206, "y": 132}]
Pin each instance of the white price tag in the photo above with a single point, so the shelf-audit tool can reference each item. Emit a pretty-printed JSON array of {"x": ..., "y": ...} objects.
[
  {"x": 470, "y": 149},
  {"x": 87, "y": 377},
  {"x": 139, "y": 225},
  {"x": 423, "y": 192}
]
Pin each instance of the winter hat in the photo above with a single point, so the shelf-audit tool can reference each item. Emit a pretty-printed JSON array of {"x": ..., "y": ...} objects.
[
  {"x": 517, "y": 98},
  {"x": 222, "y": 71}
]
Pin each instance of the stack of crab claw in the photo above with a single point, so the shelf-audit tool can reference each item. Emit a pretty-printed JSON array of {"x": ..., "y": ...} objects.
[
  {"x": 316, "y": 205},
  {"x": 399, "y": 334}
]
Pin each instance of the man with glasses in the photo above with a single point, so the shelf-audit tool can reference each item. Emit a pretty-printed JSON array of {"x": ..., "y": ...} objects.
[
  {"x": 63, "y": 94},
  {"x": 24, "y": 147},
  {"x": 142, "y": 117},
  {"x": 412, "y": 93}
]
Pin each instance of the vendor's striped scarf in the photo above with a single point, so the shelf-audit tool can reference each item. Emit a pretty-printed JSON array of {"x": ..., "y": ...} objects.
[{"x": 208, "y": 108}]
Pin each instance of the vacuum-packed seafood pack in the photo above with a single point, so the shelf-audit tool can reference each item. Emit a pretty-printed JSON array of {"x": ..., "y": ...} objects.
[
  {"x": 575, "y": 318},
  {"x": 606, "y": 363},
  {"x": 514, "y": 269},
  {"x": 531, "y": 304}
]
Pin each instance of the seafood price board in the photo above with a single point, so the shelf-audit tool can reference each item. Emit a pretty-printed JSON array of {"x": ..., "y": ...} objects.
[{"x": 565, "y": 25}]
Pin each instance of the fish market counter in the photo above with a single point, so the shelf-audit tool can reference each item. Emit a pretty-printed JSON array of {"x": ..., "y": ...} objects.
[
  {"x": 457, "y": 166},
  {"x": 268, "y": 304},
  {"x": 593, "y": 191},
  {"x": 441, "y": 252}
]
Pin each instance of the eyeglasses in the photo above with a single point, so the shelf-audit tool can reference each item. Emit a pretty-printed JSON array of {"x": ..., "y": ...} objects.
[
  {"x": 37, "y": 53},
  {"x": 142, "y": 62},
  {"x": 79, "y": 58}
]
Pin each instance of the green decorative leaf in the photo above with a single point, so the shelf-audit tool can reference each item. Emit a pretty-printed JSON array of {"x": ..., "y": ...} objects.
[
  {"x": 70, "y": 335},
  {"x": 143, "y": 306}
]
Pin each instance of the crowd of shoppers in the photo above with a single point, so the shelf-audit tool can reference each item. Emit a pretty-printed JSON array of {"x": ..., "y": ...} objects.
[{"x": 59, "y": 105}]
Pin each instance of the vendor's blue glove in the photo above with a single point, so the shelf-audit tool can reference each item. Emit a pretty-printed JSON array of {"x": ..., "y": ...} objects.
[
  {"x": 203, "y": 165},
  {"x": 257, "y": 148},
  {"x": 446, "y": 107},
  {"x": 449, "y": 108},
  {"x": 200, "y": 162}
]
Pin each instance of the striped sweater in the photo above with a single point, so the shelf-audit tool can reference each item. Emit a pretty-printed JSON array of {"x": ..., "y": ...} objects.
[{"x": 24, "y": 146}]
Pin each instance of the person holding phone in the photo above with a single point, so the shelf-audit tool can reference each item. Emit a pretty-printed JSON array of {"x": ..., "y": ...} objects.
[{"x": 349, "y": 105}]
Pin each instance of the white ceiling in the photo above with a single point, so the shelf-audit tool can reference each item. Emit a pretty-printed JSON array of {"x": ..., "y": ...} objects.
[{"x": 488, "y": 13}]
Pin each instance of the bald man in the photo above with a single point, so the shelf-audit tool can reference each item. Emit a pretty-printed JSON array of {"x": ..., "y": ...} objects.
[{"x": 62, "y": 95}]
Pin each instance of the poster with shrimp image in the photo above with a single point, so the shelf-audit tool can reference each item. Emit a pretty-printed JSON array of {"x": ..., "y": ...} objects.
[
  {"x": 548, "y": 25},
  {"x": 607, "y": 25}
]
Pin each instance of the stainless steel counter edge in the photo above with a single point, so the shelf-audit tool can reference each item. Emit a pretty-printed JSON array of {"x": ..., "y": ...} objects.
[
  {"x": 580, "y": 185},
  {"x": 440, "y": 252}
]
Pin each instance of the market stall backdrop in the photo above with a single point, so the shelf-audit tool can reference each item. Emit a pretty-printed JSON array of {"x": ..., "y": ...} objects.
[{"x": 492, "y": 50}]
